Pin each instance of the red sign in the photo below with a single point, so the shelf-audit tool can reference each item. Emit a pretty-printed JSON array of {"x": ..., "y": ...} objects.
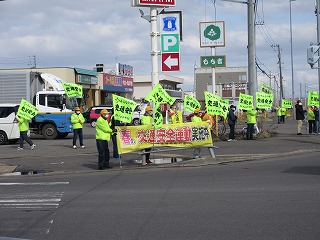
[
  {"x": 164, "y": 3},
  {"x": 170, "y": 62}
]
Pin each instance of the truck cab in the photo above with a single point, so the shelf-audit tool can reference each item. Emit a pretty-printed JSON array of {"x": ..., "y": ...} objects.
[{"x": 54, "y": 117}]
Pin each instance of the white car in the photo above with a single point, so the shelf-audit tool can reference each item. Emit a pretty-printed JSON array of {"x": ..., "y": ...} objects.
[
  {"x": 8, "y": 124},
  {"x": 138, "y": 113}
]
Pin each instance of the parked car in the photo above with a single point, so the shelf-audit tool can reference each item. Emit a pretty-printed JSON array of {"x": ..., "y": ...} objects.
[
  {"x": 95, "y": 113},
  {"x": 138, "y": 113},
  {"x": 86, "y": 114},
  {"x": 8, "y": 124}
]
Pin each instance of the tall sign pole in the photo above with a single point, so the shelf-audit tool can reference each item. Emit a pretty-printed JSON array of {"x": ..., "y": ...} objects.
[{"x": 154, "y": 46}]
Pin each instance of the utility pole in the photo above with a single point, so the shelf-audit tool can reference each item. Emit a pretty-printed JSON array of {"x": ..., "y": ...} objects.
[
  {"x": 252, "y": 69},
  {"x": 318, "y": 35},
  {"x": 292, "y": 75},
  {"x": 280, "y": 69},
  {"x": 252, "y": 51}
]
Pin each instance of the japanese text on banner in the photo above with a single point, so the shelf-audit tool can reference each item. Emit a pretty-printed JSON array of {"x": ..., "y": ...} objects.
[
  {"x": 265, "y": 88},
  {"x": 264, "y": 100},
  {"x": 159, "y": 95},
  {"x": 133, "y": 138},
  {"x": 190, "y": 103},
  {"x": 123, "y": 108},
  {"x": 286, "y": 103},
  {"x": 72, "y": 90},
  {"x": 215, "y": 105},
  {"x": 245, "y": 102},
  {"x": 313, "y": 98},
  {"x": 27, "y": 110}
]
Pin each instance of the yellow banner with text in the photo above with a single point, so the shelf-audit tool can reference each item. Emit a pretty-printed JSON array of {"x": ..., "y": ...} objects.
[{"x": 191, "y": 134}]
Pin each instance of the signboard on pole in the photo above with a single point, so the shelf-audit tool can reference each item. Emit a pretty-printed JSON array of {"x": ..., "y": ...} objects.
[
  {"x": 212, "y": 34},
  {"x": 170, "y": 29},
  {"x": 212, "y": 61},
  {"x": 170, "y": 62},
  {"x": 148, "y": 3}
]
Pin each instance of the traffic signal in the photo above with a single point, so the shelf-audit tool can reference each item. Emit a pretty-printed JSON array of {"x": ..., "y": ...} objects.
[{"x": 312, "y": 54}]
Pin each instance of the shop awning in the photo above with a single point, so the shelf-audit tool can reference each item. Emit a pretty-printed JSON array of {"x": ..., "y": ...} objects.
[{"x": 86, "y": 72}]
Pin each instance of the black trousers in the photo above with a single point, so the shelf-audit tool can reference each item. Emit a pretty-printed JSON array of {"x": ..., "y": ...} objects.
[
  {"x": 250, "y": 130},
  {"x": 24, "y": 137},
  {"x": 148, "y": 154},
  {"x": 231, "y": 133},
  {"x": 103, "y": 150}
]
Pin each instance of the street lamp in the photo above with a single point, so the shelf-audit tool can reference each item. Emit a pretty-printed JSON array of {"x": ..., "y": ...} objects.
[{"x": 292, "y": 79}]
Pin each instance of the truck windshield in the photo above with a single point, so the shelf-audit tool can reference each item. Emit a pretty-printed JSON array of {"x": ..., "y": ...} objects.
[{"x": 68, "y": 103}]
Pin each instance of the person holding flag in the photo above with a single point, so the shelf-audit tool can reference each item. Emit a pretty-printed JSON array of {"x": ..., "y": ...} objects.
[
  {"x": 77, "y": 121},
  {"x": 147, "y": 119},
  {"x": 175, "y": 116},
  {"x": 103, "y": 132},
  {"x": 23, "y": 127}
]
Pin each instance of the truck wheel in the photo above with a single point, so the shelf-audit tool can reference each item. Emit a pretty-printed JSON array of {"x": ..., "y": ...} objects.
[
  {"x": 3, "y": 138},
  {"x": 136, "y": 121},
  {"x": 49, "y": 131}
]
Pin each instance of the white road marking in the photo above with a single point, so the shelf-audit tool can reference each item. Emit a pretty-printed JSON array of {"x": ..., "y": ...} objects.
[{"x": 32, "y": 184}]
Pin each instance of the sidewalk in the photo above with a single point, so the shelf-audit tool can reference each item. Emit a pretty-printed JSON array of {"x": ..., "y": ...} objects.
[{"x": 61, "y": 158}]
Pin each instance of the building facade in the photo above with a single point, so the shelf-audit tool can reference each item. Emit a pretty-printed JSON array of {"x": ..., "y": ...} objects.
[
  {"x": 229, "y": 82},
  {"x": 143, "y": 86}
]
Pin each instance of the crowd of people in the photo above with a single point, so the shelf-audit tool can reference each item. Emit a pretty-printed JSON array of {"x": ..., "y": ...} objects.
[{"x": 106, "y": 127}]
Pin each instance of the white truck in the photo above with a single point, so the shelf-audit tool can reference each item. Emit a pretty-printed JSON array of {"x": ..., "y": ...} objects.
[{"x": 44, "y": 91}]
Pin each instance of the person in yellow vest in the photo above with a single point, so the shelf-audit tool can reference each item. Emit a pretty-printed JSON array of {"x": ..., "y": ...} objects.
[
  {"x": 251, "y": 121},
  {"x": 23, "y": 127},
  {"x": 311, "y": 119},
  {"x": 77, "y": 121},
  {"x": 278, "y": 111},
  {"x": 175, "y": 115},
  {"x": 103, "y": 133},
  {"x": 147, "y": 119},
  {"x": 283, "y": 114},
  {"x": 196, "y": 117}
]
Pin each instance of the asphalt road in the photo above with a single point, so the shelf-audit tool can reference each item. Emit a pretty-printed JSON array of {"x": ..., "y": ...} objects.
[{"x": 273, "y": 198}]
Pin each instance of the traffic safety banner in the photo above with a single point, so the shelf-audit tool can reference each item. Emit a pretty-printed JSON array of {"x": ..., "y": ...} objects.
[
  {"x": 72, "y": 90},
  {"x": 286, "y": 103},
  {"x": 123, "y": 108},
  {"x": 159, "y": 95},
  {"x": 215, "y": 105},
  {"x": 190, "y": 103},
  {"x": 191, "y": 134},
  {"x": 264, "y": 100},
  {"x": 27, "y": 110},
  {"x": 245, "y": 102},
  {"x": 313, "y": 98}
]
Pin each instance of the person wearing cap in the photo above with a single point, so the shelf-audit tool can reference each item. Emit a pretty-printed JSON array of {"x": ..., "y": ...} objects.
[
  {"x": 23, "y": 127},
  {"x": 103, "y": 133},
  {"x": 77, "y": 121},
  {"x": 299, "y": 116},
  {"x": 232, "y": 119},
  {"x": 196, "y": 117},
  {"x": 147, "y": 119}
]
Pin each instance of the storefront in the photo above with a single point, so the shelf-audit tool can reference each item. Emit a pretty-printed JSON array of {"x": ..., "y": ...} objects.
[
  {"x": 88, "y": 79},
  {"x": 119, "y": 85}
]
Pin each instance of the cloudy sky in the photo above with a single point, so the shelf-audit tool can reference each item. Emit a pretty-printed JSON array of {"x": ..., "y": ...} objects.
[{"x": 81, "y": 33}]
